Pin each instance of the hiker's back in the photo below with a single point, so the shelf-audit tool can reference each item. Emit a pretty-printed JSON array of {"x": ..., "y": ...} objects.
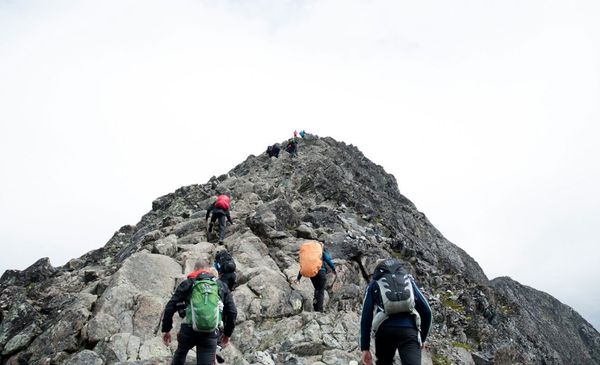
[
  {"x": 204, "y": 308},
  {"x": 311, "y": 258},
  {"x": 225, "y": 262},
  {"x": 395, "y": 288},
  {"x": 222, "y": 202}
]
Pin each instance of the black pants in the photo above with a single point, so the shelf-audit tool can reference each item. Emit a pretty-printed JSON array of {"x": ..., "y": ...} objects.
[
  {"x": 319, "y": 281},
  {"x": 405, "y": 340},
  {"x": 229, "y": 279},
  {"x": 206, "y": 346},
  {"x": 221, "y": 218}
]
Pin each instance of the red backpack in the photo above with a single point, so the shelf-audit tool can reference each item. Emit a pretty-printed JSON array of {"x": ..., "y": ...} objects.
[{"x": 222, "y": 202}]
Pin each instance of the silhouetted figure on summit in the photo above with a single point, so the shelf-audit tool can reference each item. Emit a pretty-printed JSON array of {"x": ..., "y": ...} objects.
[
  {"x": 292, "y": 147},
  {"x": 273, "y": 151}
]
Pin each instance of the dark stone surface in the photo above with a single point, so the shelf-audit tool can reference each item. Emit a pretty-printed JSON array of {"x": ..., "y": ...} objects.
[{"x": 331, "y": 192}]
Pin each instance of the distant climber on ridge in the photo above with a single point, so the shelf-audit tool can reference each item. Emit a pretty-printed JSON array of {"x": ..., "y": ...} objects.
[
  {"x": 402, "y": 316},
  {"x": 208, "y": 304},
  {"x": 292, "y": 147},
  {"x": 220, "y": 211},
  {"x": 273, "y": 151},
  {"x": 313, "y": 258},
  {"x": 225, "y": 266},
  {"x": 302, "y": 134}
]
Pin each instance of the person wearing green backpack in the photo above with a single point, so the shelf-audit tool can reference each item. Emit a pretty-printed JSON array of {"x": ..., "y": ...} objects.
[{"x": 209, "y": 305}]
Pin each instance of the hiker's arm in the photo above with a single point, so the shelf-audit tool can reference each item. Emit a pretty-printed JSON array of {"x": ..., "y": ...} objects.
[
  {"x": 180, "y": 295},
  {"x": 366, "y": 320},
  {"x": 228, "y": 217},
  {"x": 328, "y": 260},
  {"x": 208, "y": 210},
  {"x": 229, "y": 313},
  {"x": 424, "y": 310}
]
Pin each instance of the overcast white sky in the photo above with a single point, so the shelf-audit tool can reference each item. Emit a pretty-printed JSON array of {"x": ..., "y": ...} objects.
[{"x": 487, "y": 113}]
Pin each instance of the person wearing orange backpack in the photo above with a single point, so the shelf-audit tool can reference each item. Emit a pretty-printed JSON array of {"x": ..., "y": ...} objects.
[
  {"x": 220, "y": 211},
  {"x": 313, "y": 260}
]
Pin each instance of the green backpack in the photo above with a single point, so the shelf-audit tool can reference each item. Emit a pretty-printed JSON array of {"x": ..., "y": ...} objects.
[{"x": 204, "y": 310}]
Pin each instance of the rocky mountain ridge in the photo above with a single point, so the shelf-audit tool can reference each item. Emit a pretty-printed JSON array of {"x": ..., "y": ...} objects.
[{"x": 105, "y": 307}]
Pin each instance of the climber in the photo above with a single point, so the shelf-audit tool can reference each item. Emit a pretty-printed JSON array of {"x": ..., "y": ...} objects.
[
  {"x": 292, "y": 147},
  {"x": 225, "y": 265},
  {"x": 302, "y": 134},
  {"x": 220, "y": 211},
  {"x": 273, "y": 151},
  {"x": 402, "y": 317},
  {"x": 295, "y": 134},
  {"x": 200, "y": 327},
  {"x": 313, "y": 259}
]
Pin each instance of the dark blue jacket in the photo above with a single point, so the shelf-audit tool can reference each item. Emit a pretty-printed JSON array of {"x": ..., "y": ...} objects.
[{"x": 372, "y": 301}]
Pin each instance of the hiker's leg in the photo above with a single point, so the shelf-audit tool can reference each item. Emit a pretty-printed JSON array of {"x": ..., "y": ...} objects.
[
  {"x": 319, "y": 282},
  {"x": 213, "y": 218},
  {"x": 206, "y": 348},
  {"x": 185, "y": 342},
  {"x": 232, "y": 281},
  {"x": 385, "y": 346},
  {"x": 221, "y": 227},
  {"x": 408, "y": 347}
]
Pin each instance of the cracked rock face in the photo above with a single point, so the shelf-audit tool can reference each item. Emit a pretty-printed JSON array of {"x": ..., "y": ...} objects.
[{"x": 105, "y": 307}]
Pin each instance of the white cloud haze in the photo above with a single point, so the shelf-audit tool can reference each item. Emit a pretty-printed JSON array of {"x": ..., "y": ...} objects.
[{"x": 487, "y": 114}]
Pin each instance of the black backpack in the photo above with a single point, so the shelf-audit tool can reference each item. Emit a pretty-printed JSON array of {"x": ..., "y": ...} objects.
[
  {"x": 225, "y": 262},
  {"x": 395, "y": 286}
]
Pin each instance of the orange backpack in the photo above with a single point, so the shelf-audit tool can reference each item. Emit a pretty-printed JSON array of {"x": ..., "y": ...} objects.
[{"x": 311, "y": 258}]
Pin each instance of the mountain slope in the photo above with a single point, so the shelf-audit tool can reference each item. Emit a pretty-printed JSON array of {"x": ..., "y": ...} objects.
[{"x": 105, "y": 307}]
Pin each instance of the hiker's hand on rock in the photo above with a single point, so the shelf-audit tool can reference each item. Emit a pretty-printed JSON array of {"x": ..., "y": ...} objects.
[
  {"x": 224, "y": 341},
  {"x": 424, "y": 345},
  {"x": 366, "y": 358},
  {"x": 166, "y": 337}
]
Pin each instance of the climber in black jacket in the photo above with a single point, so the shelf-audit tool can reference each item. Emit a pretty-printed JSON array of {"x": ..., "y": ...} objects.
[
  {"x": 219, "y": 210},
  {"x": 205, "y": 342}
]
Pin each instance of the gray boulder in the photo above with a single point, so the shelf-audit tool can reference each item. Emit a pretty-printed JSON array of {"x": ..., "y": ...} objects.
[
  {"x": 85, "y": 357},
  {"x": 135, "y": 298}
]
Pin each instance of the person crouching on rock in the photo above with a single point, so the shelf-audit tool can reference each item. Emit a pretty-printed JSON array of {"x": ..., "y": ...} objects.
[
  {"x": 209, "y": 303},
  {"x": 273, "y": 151},
  {"x": 313, "y": 258}
]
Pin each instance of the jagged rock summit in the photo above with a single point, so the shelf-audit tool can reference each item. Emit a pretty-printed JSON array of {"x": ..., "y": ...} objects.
[{"x": 105, "y": 307}]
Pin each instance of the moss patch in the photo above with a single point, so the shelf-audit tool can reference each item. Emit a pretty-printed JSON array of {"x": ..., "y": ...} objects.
[
  {"x": 451, "y": 303},
  {"x": 463, "y": 345},
  {"x": 439, "y": 359},
  {"x": 506, "y": 310}
]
